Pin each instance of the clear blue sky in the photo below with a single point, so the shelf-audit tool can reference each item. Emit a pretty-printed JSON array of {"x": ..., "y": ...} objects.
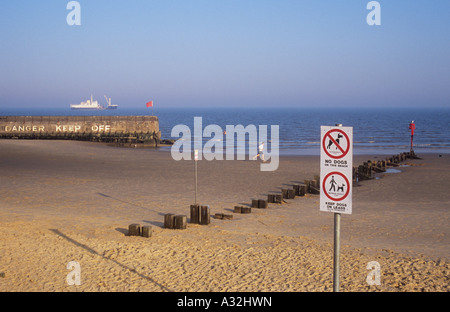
[{"x": 225, "y": 52}]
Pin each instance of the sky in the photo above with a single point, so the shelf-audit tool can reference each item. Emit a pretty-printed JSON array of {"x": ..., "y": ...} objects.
[{"x": 225, "y": 53}]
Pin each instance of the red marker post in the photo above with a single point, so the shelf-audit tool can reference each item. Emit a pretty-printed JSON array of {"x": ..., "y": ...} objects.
[{"x": 412, "y": 127}]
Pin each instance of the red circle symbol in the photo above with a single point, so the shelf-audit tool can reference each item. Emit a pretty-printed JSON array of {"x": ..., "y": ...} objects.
[
  {"x": 337, "y": 145},
  {"x": 325, "y": 189}
]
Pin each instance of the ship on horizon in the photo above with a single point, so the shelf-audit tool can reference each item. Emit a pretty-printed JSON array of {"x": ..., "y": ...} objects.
[{"x": 91, "y": 104}]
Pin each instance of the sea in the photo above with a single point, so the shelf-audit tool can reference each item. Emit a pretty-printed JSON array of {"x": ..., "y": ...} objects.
[{"x": 376, "y": 130}]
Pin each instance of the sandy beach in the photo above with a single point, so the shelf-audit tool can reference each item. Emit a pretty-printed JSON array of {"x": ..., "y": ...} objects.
[{"x": 63, "y": 201}]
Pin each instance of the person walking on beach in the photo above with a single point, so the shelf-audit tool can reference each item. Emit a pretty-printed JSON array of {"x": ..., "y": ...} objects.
[{"x": 260, "y": 152}]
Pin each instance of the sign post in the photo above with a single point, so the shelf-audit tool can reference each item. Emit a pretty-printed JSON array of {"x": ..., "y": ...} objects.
[
  {"x": 336, "y": 170},
  {"x": 195, "y": 172},
  {"x": 337, "y": 251}
]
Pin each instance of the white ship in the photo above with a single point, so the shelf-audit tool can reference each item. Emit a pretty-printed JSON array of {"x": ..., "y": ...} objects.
[{"x": 91, "y": 104}]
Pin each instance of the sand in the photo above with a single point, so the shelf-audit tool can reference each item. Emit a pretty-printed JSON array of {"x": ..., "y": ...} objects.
[{"x": 63, "y": 201}]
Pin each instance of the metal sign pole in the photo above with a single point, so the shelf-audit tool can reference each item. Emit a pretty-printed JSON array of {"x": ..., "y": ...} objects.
[
  {"x": 337, "y": 250},
  {"x": 337, "y": 247},
  {"x": 195, "y": 169}
]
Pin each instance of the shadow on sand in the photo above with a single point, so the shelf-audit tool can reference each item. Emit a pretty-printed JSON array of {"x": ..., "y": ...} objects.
[{"x": 92, "y": 251}]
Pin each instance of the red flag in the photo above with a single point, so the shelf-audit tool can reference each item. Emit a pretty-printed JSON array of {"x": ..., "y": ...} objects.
[{"x": 150, "y": 104}]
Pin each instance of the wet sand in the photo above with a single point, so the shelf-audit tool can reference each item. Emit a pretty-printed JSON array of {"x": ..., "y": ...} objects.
[{"x": 63, "y": 201}]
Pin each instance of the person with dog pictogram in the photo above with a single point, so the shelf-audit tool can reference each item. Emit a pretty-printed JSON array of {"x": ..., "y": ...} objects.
[{"x": 334, "y": 184}]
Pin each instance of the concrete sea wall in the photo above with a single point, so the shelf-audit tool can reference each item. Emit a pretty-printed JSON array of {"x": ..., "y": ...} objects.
[{"x": 112, "y": 129}]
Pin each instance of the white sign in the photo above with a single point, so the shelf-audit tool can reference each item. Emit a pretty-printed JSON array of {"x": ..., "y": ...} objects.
[{"x": 336, "y": 169}]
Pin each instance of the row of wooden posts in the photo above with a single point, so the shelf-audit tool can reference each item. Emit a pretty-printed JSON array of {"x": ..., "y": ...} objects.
[
  {"x": 368, "y": 168},
  {"x": 201, "y": 214},
  {"x": 361, "y": 172},
  {"x": 298, "y": 190}
]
